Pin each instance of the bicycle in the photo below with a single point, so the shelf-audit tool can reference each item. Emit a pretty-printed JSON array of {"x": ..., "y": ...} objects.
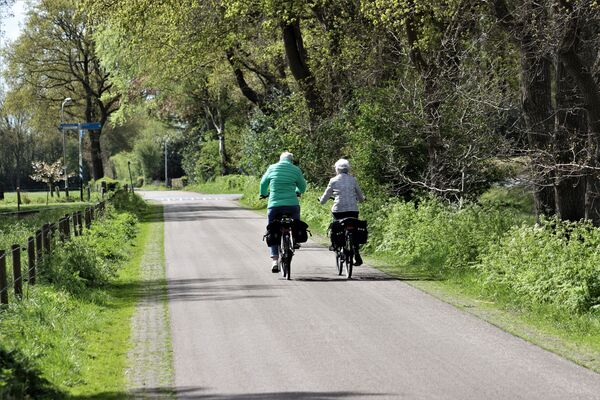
[
  {"x": 344, "y": 255},
  {"x": 286, "y": 243},
  {"x": 286, "y": 246}
]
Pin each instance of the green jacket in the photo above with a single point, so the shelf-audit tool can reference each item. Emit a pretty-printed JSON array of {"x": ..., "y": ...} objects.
[{"x": 283, "y": 179}]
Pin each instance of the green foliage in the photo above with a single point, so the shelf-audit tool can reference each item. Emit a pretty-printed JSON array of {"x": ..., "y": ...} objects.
[
  {"x": 19, "y": 379},
  {"x": 557, "y": 263},
  {"x": 49, "y": 339},
  {"x": 436, "y": 236},
  {"x": 120, "y": 164},
  {"x": 208, "y": 164},
  {"x": 248, "y": 186},
  {"x": 93, "y": 258}
]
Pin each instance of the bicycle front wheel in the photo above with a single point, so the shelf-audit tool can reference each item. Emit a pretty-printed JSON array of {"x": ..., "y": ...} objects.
[{"x": 339, "y": 262}]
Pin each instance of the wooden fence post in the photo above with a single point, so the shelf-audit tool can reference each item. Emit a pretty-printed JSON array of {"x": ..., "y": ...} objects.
[
  {"x": 31, "y": 260},
  {"x": 17, "y": 277},
  {"x": 38, "y": 247},
  {"x": 18, "y": 199},
  {"x": 3, "y": 279},
  {"x": 46, "y": 238},
  {"x": 88, "y": 218},
  {"x": 61, "y": 230},
  {"x": 67, "y": 226},
  {"x": 74, "y": 219},
  {"x": 80, "y": 222}
]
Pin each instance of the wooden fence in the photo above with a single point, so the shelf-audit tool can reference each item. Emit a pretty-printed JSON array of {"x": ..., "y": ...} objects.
[{"x": 39, "y": 248}]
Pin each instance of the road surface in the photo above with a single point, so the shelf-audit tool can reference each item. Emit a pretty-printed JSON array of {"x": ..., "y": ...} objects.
[{"x": 241, "y": 332}]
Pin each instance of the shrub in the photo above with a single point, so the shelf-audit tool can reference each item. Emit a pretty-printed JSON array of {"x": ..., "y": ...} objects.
[
  {"x": 558, "y": 264},
  {"x": 139, "y": 181},
  {"x": 93, "y": 258}
]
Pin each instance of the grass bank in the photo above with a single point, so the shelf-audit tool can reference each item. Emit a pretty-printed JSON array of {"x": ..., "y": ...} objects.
[
  {"x": 70, "y": 336},
  {"x": 541, "y": 283}
]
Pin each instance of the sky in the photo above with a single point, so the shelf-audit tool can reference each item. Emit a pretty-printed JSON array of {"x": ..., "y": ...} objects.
[{"x": 12, "y": 25}]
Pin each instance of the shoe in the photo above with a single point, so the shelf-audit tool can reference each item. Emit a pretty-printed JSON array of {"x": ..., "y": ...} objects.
[
  {"x": 331, "y": 248},
  {"x": 357, "y": 260},
  {"x": 297, "y": 246},
  {"x": 275, "y": 267}
]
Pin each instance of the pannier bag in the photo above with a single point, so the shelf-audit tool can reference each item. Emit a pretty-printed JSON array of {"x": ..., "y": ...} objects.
[
  {"x": 300, "y": 231},
  {"x": 273, "y": 235},
  {"x": 336, "y": 233},
  {"x": 361, "y": 233}
]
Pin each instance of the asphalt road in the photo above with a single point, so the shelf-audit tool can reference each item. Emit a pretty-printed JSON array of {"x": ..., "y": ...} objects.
[{"x": 241, "y": 332}]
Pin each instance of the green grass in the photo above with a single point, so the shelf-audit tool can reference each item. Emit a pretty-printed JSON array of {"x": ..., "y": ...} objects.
[
  {"x": 37, "y": 200},
  {"x": 109, "y": 342},
  {"x": 77, "y": 343},
  {"x": 247, "y": 186}
]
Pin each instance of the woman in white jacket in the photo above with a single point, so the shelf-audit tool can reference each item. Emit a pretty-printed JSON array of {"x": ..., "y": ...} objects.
[{"x": 346, "y": 194}]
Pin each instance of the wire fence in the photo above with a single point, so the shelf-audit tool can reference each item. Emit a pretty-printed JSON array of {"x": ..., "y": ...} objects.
[{"x": 39, "y": 249}]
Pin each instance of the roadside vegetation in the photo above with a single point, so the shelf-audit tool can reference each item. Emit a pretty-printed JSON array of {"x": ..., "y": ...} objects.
[{"x": 69, "y": 336}]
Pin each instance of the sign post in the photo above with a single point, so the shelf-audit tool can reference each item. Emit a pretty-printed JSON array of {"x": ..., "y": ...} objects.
[{"x": 85, "y": 126}]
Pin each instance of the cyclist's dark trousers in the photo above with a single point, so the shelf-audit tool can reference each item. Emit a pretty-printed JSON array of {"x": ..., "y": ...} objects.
[
  {"x": 275, "y": 213},
  {"x": 347, "y": 214}
]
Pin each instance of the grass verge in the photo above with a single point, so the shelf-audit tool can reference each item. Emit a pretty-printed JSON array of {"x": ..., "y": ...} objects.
[{"x": 63, "y": 343}]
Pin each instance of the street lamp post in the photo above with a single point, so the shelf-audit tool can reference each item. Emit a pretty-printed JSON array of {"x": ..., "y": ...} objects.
[
  {"x": 166, "y": 160},
  {"x": 66, "y": 102}
]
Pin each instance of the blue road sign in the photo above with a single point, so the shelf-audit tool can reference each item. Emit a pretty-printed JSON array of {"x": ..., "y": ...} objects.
[
  {"x": 69, "y": 126},
  {"x": 91, "y": 126}
]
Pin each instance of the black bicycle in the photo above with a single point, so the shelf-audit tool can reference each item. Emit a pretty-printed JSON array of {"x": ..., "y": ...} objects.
[
  {"x": 286, "y": 246},
  {"x": 345, "y": 251}
]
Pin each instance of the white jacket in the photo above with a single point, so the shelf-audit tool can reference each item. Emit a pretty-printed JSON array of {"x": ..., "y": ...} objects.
[{"x": 346, "y": 192}]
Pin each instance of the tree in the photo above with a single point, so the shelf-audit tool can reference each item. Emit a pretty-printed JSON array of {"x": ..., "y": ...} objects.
[
  {"x": 50, "y": 174},
  {"x": 56, "y": 57}
]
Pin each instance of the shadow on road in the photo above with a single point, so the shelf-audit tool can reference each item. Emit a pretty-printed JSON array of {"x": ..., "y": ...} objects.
[
  {"x": 189, "y": 212},
  {"x": 199, "y": 393},
  {"x": 194, "y": 290}
]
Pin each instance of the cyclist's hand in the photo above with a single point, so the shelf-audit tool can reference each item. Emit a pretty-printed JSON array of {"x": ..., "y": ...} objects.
[
  {"x": 263, "y": 197},
  {"x": 298, "y": 194}
]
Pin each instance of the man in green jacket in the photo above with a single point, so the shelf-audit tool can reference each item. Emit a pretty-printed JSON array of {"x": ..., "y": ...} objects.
[{"x": 281, "y": 182}]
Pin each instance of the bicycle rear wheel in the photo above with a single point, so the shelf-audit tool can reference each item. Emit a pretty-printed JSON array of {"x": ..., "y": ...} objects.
[
  {"x": 286, "y": 259},
  {"x": 349, "y": 256}
]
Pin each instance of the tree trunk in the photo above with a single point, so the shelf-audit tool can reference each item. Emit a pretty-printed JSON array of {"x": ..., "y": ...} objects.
[
  {"x": 569, "y": 142},
  {"x": 298, "y": 63},
  {"x": 580, "y": 72},
  {"x": 96, "y": 153},
  {"x": 223, "y": 154},
  {"x": 536, "y": 92}
]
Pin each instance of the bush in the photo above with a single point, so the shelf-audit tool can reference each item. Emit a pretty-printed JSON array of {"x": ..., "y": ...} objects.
[
  {"x": 435, "y": 235},
  {"x": 93, "y": 258},
  {"x": 139, "y": 181},
  {"x": 556, "y": 264},
  {"x": 111, "y": 184}
]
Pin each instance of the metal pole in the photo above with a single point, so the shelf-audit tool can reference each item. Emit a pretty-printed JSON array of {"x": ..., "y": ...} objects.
[
  {"x": 166, "y": 173},
  {"x": 81, "y": 131},
  {"x": 62, "y": 121}
]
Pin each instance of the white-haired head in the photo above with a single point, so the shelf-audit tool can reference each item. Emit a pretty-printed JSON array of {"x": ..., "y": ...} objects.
[
  {"x": 286, "y": 156},
  {"x": 342, "y": 166}
]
